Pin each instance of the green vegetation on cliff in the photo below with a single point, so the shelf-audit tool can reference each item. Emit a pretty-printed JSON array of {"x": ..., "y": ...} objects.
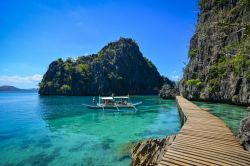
[
  {"x": 195, "y": 82},
  {"x": 118, "y": 68}
]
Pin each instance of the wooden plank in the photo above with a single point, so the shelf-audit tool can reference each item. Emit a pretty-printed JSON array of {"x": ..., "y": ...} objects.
[
  {"x": 245, "y": 156},
  {"x": 204, "y": 140},
  {"x": 165, "y": 163},
  {"x": 207, "y": 132},
  {"x": 212, "y": 129},
  {"x": 174, "y": 162},
  {"x": 214, "y": 148},
  {"x": 181, "y": 161},
  {"x": 212, "y": 144},
  {"x": 232, "y": 158},
  {"x": 199, "y": 157},
  {"x": 190, "y": 160},
  {"x": 208, "y": 136},
  {"x": 209, "y": 142}
]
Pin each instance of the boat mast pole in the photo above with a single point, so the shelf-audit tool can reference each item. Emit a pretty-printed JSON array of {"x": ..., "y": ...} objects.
[
  {"x": 134, "y": 108},
  {"x": 117, "y": 107}
]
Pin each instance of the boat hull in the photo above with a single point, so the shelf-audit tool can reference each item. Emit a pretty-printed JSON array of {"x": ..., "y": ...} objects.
[{"x": 112, "y": 107}]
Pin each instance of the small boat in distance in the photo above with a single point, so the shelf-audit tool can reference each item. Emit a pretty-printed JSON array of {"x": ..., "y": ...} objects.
[{"x": 112, "y": 102}]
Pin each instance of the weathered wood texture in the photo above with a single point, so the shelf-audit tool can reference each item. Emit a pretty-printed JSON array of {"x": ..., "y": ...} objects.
[{"x": 203, "y": 140}]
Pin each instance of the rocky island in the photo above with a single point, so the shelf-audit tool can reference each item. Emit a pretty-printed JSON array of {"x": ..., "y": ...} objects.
[
  {"x": 118, "y": 68},
  {"x": 8, "y": 88}
]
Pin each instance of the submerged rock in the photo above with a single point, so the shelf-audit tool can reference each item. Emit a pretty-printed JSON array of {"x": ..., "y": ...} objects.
[
  {"x": 150, "y": 151},
  {"x": 244, "y": 133}
]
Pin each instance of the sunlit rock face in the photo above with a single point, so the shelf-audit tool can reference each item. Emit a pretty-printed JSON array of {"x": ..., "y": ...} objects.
[
  {"x": 219, "y": 54},
  {"x": 150, "y": 151}
]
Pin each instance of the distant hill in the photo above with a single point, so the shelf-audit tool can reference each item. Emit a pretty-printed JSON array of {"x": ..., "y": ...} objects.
[
  {"x": 119, "y": 68},
  {"x": 8, "y": 88}
]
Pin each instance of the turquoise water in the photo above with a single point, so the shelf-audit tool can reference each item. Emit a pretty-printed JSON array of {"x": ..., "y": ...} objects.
[
  {"x": 44, "y": 130},
  {"x": 230, "y": 114}
]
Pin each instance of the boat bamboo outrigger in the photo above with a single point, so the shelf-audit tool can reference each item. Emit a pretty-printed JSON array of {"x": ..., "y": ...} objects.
[{"x": 113, "y": 102}]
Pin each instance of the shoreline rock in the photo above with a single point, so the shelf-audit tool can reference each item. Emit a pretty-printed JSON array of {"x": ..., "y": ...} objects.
[
  {"x": 168, "y": 92},
  {"x": 150, "y": 151},
  {"x": 244, "y": 132}
]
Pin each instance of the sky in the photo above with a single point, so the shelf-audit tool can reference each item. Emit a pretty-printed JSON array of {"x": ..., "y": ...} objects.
[{"x": 33, "y": 33}]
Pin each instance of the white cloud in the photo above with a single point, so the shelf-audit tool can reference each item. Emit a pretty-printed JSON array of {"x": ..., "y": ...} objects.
[
  {"x": 175, "y": 78},
  {"x": 21, "y": 81}
]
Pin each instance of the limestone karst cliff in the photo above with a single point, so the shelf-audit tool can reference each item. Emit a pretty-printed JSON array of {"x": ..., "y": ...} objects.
[
  {"x": 219, "y": 56},
  {"x": 118, "y": 68}
]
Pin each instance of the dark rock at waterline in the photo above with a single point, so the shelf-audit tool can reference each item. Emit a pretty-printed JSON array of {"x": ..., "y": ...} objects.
[
  {"x": 78, "y": 147},
  {"x": 168, "y": 91},
  {"x": 244, "y": 133},
  {"x": 88, "y": 161},
  {"x": 150, "y": 151},
  {"x": 125, "y": 157},
  {"x": 106, "y": 143},
  {"x": 118, "y": 68}
]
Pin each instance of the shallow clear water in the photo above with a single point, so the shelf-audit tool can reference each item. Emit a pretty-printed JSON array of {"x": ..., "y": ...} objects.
[
  {"x": 230, "y": 114},
  {"x": 52, "y": 130}
]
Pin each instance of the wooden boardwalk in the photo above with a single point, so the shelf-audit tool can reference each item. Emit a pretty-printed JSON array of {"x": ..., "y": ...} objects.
[{"x": 203, "y": 140}]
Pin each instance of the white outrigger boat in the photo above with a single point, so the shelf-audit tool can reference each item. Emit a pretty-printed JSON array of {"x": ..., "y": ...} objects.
[{"x": 117, "y": 102}]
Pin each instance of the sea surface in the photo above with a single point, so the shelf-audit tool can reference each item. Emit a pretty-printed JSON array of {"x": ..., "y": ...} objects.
[{"x": 56, "y": 130}]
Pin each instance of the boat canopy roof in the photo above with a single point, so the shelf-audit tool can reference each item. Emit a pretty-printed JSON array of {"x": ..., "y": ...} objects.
[
  {"x": 121, "y": 97},
  {"x": 112, "y": 98},
  {"x": 106, "y": 98}
]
